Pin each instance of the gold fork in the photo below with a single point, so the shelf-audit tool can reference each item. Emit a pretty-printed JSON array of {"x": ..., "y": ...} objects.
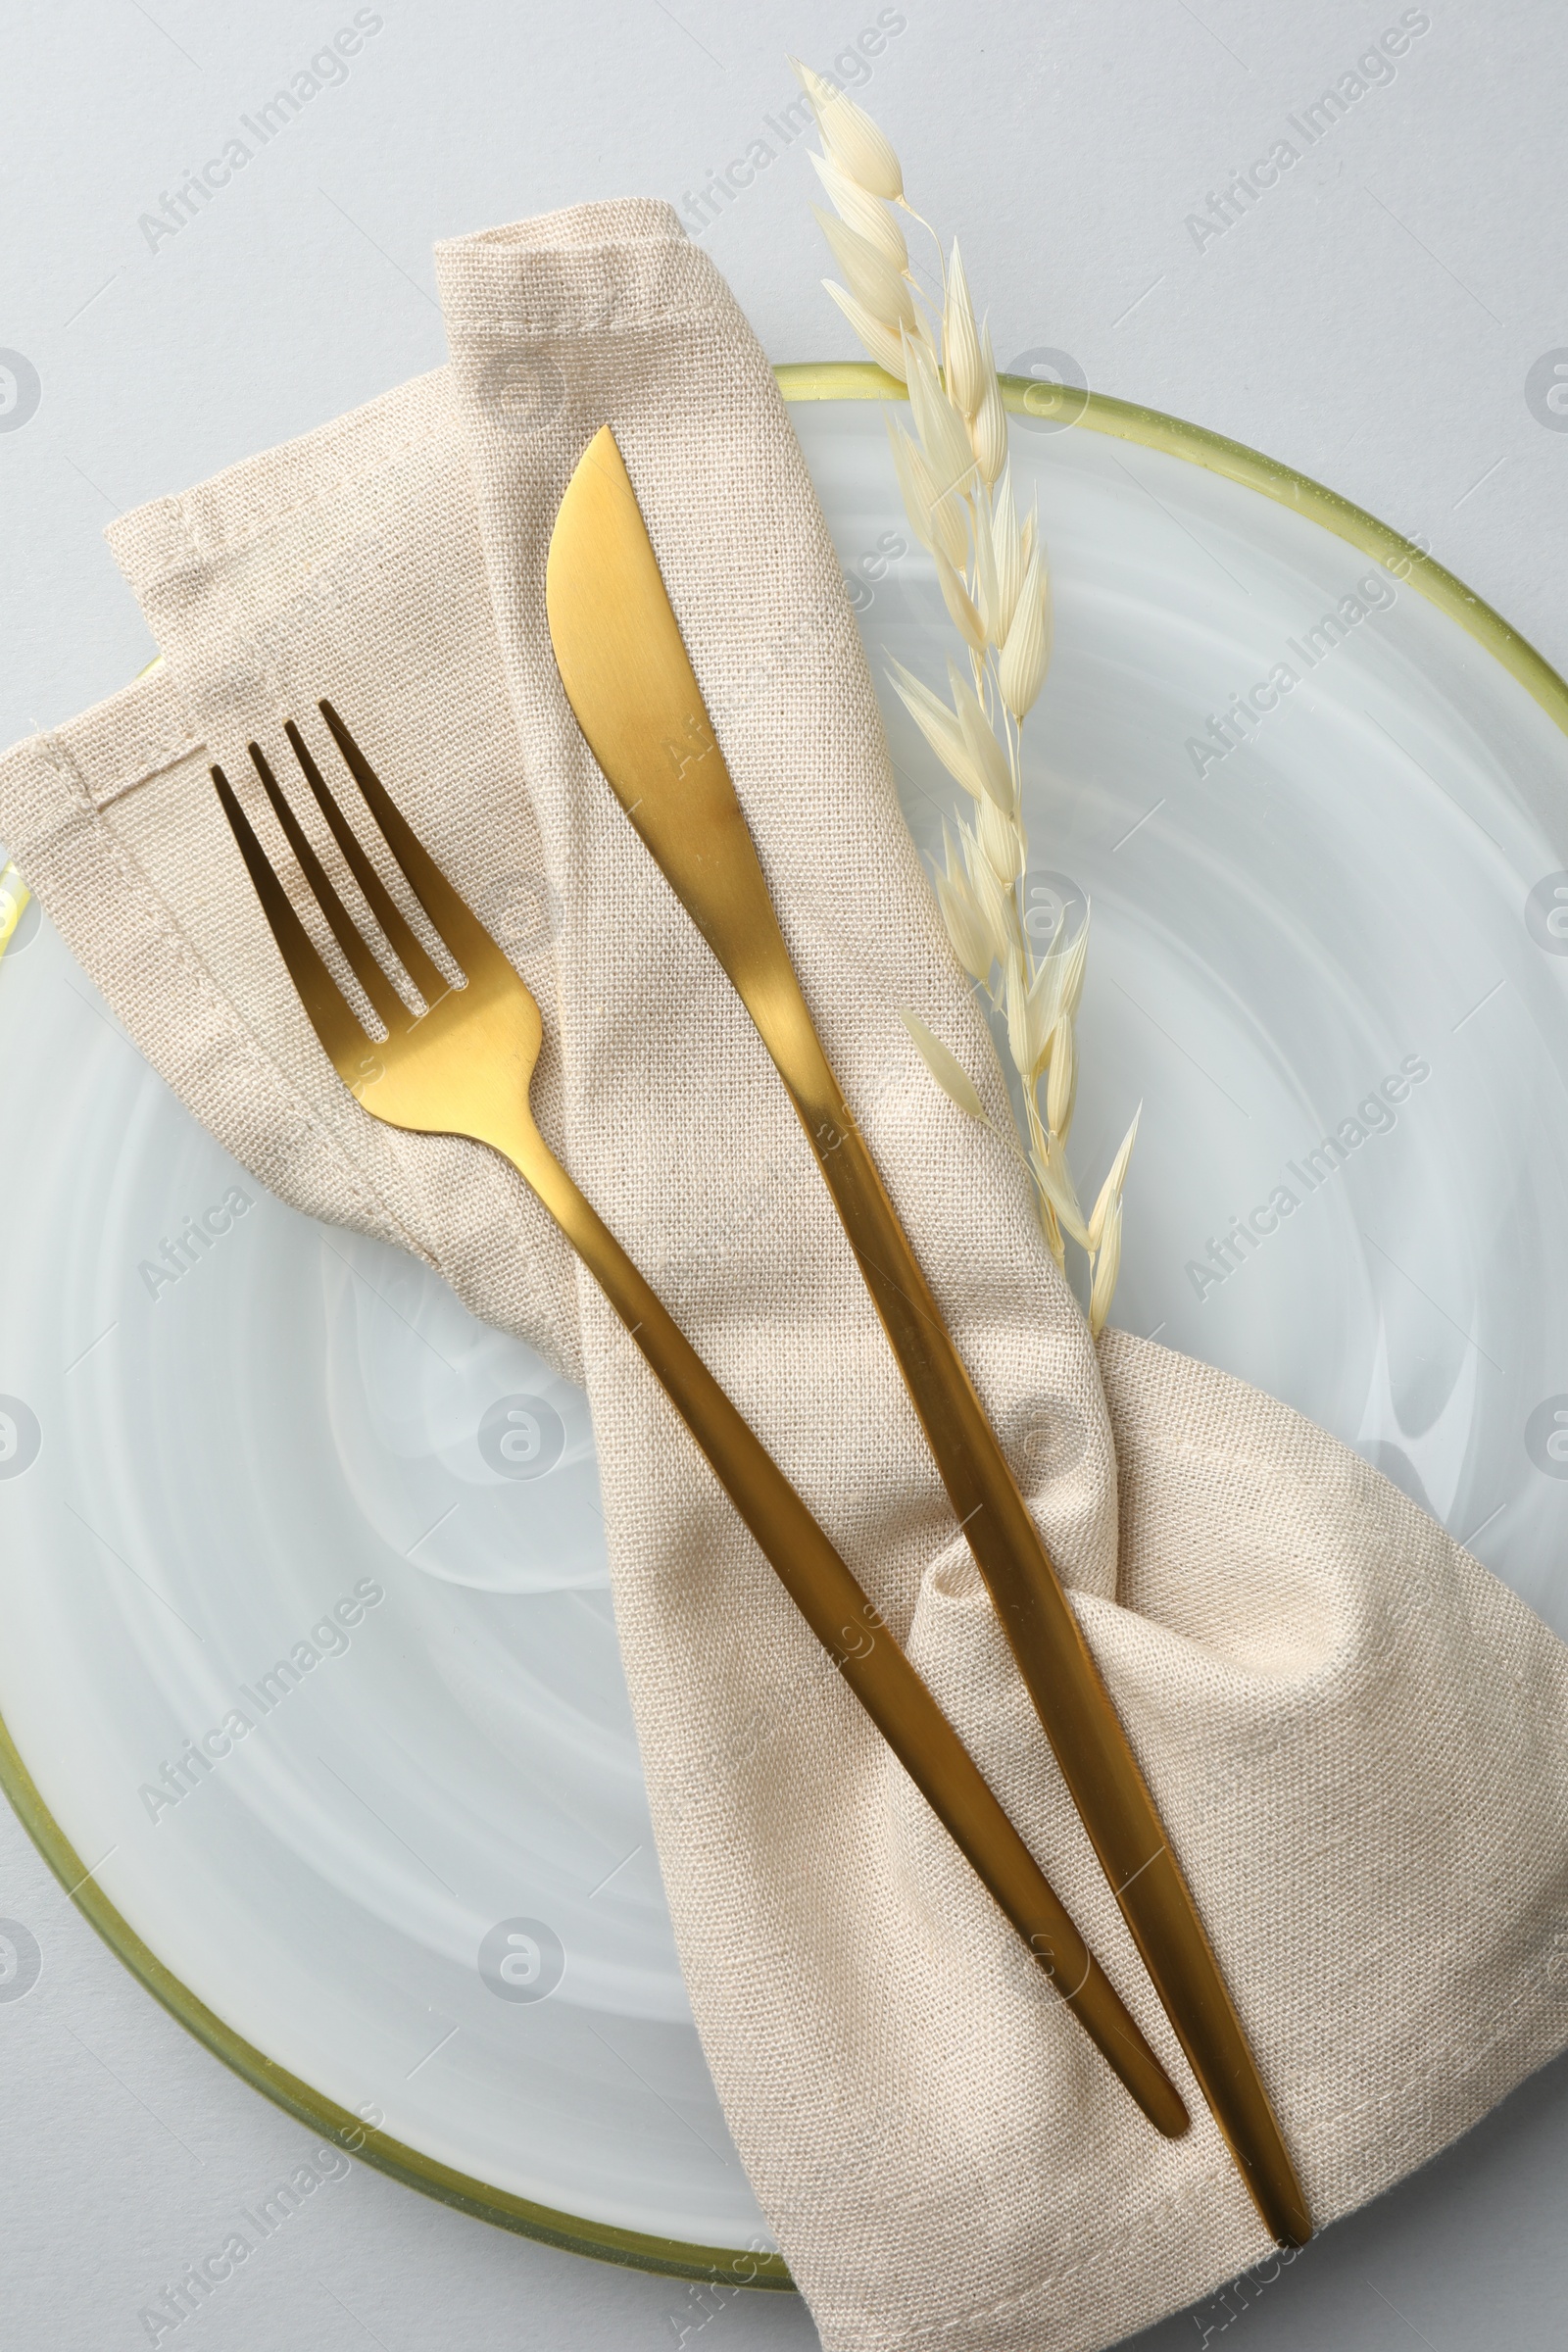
[{"x": 461, "y": 1066}]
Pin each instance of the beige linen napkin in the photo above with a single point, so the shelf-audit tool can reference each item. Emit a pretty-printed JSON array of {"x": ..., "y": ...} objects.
[{"x": 1357, "y": 1736}]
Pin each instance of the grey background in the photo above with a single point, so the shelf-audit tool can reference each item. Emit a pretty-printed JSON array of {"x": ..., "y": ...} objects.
[{"x": 1387, "y": 318}]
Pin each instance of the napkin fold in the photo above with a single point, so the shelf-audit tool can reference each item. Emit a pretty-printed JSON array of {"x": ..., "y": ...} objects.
[{"x": 1357, "y": 1736}]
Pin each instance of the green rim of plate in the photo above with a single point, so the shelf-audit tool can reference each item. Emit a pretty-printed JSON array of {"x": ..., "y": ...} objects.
[
  {"x": 633, "y": 2248},
  {"x": 1099, "y": 413}
]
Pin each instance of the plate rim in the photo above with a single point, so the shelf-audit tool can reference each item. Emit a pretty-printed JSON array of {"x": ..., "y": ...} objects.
[
  {"x": 1130, "y": 421},
  {"x": 800, "y": 381}
]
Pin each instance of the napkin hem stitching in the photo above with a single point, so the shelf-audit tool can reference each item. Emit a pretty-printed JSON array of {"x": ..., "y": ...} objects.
[
  {"x": 563, "y": 330},
  {"x": 158, "y": 763},
  {"x": 202, "y": 547},
  {"x": 143, "y": 900},
  {"x": 1170, "y": 2207},
  {"x": 369, "y": 1198}
]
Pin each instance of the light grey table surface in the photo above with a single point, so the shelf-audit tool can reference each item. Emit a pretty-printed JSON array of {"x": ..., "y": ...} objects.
[{"x": 1388, "y": 316}]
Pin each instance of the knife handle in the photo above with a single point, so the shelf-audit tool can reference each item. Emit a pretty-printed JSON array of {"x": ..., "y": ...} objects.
[
  {"x": 852, "y": 1630},
  {"x": 1057, "y": 1666}
]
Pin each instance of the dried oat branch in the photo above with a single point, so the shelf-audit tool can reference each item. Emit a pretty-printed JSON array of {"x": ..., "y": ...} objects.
[{"x": 991, "y": 568}]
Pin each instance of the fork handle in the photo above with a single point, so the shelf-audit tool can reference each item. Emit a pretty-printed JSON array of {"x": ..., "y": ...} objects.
[{"x": 852, "y": 1630}]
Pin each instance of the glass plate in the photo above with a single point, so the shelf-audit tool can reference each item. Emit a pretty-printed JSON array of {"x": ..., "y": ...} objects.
[{"x": 309, "y": 1655}]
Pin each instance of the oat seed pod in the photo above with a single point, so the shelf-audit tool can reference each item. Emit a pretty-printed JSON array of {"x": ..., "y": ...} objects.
[
  {"x": 985, "y": 575},
  {"x": 961, "y": 342},
  {"x": 999, "y": 838},
  {"x": 937, "y": 520},
  {"x": 1107, "y": 1266},
  {"x": 1045, "y": 1006},
  {"x": 1052, "y": 1175},
  {"x": 1021, "y": 668},
  {"x": 1062, "y": 1095},
  {"x": 950, "y": 525},
  {"x": 990, "y": 759},
  {"x": 850, "y": 137},
  {"x": 1074, "y": 964},
  {"x": 944, "y": 436},
  {"x": 1028, "y": 1030},
  {"x": 988, "y": 429},
  {"x": 1007, "y": 555},
  {"x": 864, "y": 213},
  {"x": 993, "y": 897},
  {"x": 961, "y": 606},
  {"x": 873, "y": 279},
  {"x": 942, "y": 728},
  {"x": 961, "y": 916},
  {"x": 914, "y": 481},
  {"x": 945, "y": 1066},
  {"x": 885, "y": 347},
  {"x": 1112, "y": 1190}
]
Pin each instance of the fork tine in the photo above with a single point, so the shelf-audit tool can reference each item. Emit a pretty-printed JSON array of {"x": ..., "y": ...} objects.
[
  {"x": 454, "y": 920},
  {"x": 431, "y": 981},
  {"x": 360, "y": 957},
  {"x": 330, "y": 1017}
]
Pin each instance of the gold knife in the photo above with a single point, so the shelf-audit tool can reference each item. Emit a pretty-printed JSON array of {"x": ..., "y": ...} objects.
[{"x": 630, "y": 682}]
